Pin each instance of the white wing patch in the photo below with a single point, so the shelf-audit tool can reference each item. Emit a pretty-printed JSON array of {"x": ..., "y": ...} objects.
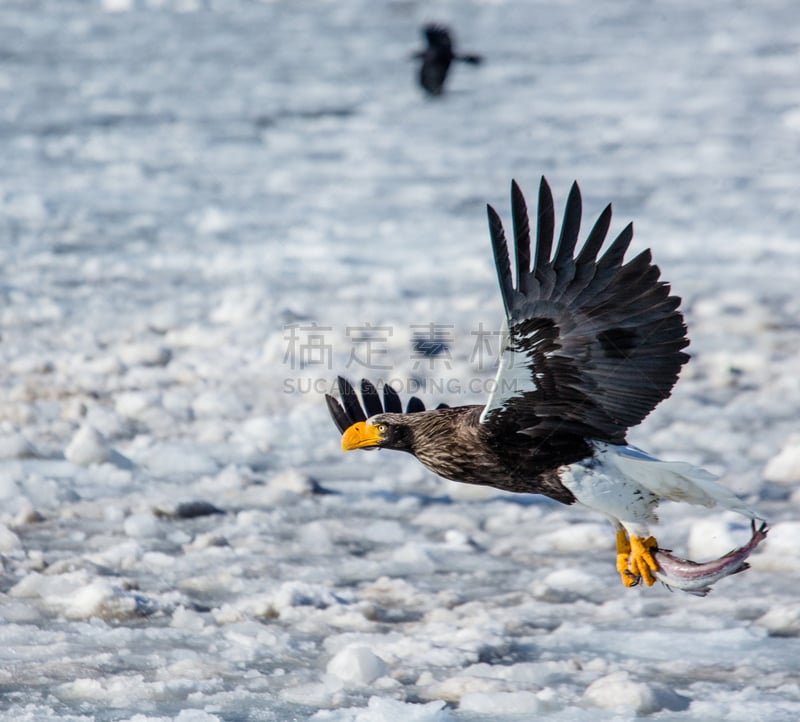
[{"x": 513, "y": 379}]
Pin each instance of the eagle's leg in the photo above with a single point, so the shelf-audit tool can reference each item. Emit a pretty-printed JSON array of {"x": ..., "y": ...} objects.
[
  {"x": 641, "y": 562},
  {"x": 623, "y": 555}
]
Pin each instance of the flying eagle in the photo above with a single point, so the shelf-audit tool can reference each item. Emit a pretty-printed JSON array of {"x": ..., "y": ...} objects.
[
  {"x": 437, "y": 57},
  {"x": 593, "y": 344}
]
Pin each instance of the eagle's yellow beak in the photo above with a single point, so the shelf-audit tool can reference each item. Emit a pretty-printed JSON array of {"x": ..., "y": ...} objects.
[{"x": 360, "y": 435}]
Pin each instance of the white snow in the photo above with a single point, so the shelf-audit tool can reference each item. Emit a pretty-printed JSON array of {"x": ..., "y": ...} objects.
[
  {"x": 491, "y": 704},
  {"x": 387, "y": 710},
  {"x": 15, "y": 446},
  {"x": 784, "y": 467},
  {"x": 619, "y": 691},
  {"x": 9, "y": 541},
  {"x": 357, "y": 665},
  {"x": 711, "y": 538},
  {"x": 88, "y": 446},
  {"x": 205, "y": 205}
]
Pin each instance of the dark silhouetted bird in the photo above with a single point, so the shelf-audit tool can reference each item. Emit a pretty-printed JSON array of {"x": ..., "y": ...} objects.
[{"x": 437, "y": 57}]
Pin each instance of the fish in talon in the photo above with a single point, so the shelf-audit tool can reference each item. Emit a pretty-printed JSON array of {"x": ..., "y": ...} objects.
[{"x": 697, "y": 577}]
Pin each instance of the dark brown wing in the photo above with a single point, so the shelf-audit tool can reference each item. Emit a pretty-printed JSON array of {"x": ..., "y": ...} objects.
[
  {"x": 594, "y": 343},
  {"x": 350, "y": 410}
]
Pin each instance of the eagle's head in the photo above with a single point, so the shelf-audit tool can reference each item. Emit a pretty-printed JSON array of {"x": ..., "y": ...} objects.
[
  {"x": 382, "y": 431},
  {"x": 377, "y": 423}
]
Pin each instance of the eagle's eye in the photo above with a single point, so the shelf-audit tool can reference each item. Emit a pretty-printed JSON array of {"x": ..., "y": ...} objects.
[{"x": 382, "y": 428}]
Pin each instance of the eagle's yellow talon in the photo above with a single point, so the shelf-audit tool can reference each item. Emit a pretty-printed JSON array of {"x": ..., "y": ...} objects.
[
  {"x": 623, "y": 554},
  {"x": 642, "y": 563},
  {"x": 635, "y": 561},
  {"x": 630, "y": 580}
]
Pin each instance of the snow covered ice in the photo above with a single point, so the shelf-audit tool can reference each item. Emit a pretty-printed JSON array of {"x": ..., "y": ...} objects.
[{"x": 186, "y": 183}]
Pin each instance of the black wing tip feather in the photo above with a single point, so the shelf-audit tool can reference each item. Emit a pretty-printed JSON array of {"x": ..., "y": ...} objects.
[
  {"x": 350, "y": 401},
  {"x": 522, "y": 236},
  {"x": 615, "y": 253},
  {"x": 545, "y": 227},
  {"x": 544, "y": 187},
  {"x": 351, "y": 410},
  {"x": 371, "y": 398},
  {"x": 337, "y": 413},
  {"x": 594, "y": 241},
  {"x": 501, "y": 257},
  {"x": 574, "y": 207},
  {"x": 570, "y": 227},
  {"x": 494, "y": 217},
  {"x": 572, "y": 211},
  {"x": 574, "y": 192},
  {"x": 391, "y": 400}
]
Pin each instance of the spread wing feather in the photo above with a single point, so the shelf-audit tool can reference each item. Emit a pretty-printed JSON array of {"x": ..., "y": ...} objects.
[
  {"x": 371, "y": 399},
  {"x": 501, "y": 262},
  {"x": 340, "y": 418},
  {"x": 594, "y": 344},
  {"x": 349, "y": 411},
  {"x": 391, "y": 400},
  {"x": 522, "y": 235},
  {"x": 350, "y": 401}
]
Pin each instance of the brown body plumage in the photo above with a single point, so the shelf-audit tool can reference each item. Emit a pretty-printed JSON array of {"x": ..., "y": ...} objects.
[{"x": 453, "y": 444}]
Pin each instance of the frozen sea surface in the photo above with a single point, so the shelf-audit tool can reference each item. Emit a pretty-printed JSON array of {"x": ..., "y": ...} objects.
[{"x": 207, "y": 207}]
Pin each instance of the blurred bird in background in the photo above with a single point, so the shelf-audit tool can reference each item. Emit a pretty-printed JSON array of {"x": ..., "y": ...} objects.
[{"x": 437, "y": 57}]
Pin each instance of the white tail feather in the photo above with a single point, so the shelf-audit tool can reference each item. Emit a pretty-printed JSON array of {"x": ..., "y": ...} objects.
[{"x": 676, "y": 480}]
